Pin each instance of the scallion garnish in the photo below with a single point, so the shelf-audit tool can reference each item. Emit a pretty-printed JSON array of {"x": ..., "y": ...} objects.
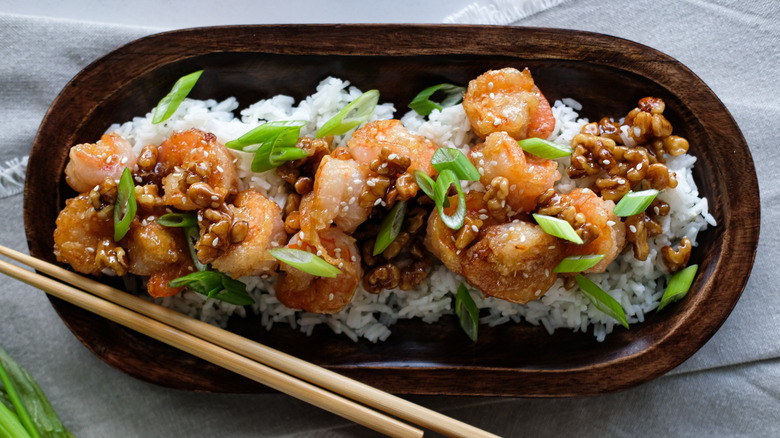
[
  {"x": 125, "y": 207},
  {"x": 273, "y": 144},
  {"x": 678, "y": 286},
  {"x": 558, "y": 228},
  {"x": 467, "y": 312},
  {"x": 446, "y": 179},
  {"x": 578, "y": 263},
  {"x": 602, "y": 300},
  {"x": 544, "y": 148},
  {"x": 355, "y": 113},
  {"x": 24, "y": 419},
  {"x": 425, "y": 182},
  {"x": 455, "y": 160},
  {"x": 635, "y": 202},
  {"x": 170, "y": 103},
  {"x": 391, "y": 226},
  {"x": 305, "y": 261},
  {"x": 217, "y": 285},
  {"x": 423, "y": 105},
  {"x": 178, "y": 220}
]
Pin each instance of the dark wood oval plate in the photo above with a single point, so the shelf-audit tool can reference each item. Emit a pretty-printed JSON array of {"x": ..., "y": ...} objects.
[{"x": 606, "y": 74}]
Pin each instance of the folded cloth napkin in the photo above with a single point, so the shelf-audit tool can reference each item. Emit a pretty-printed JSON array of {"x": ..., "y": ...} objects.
[{"x": 730, "y": 387}]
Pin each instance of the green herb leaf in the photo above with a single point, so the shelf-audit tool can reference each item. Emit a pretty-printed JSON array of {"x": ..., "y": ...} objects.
[
  {"x": 453, "y": 159},
  {"x": 170, "y": 103},
  {"x": 16, "y": 401},
  {"x": 678, "y": 286},
  {"x": 125, "y": 207},
  {"x": 351, "y": 115},
  {"x": 391, "y": 226},
  {"x": 602, "y": 300},
  {"x": 305, "y": 261},
  {"x": 178, "y": 220},
  {"x": 544, "y": 148},
  {"x": 635, "y": 202},
  {"x": 37, "y": 405},
  {"x": 446, "y": 179},
  {"x": 578, "y": 263},
  {"x": 423, "y": 105},
  {"x": 558, "y": 228},
  {"x": 217, "y": 285},
  {"x": 467, "y": 311}
]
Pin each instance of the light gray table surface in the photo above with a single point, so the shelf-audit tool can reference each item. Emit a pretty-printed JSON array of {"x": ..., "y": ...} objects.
[{"x": 731, "y": 387}]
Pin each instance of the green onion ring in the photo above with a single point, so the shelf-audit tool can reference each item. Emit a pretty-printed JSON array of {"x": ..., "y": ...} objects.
[
  {"x": 125, "y": 207},
  {"x": 362, "y": 107},
  {"x": 391, "y": 226},
  {"x": 602, "y": 300},
  {"x": 170, "y": 103},
  {"x": 305, "y": 261},
  {"x": 423, "y": 105}
]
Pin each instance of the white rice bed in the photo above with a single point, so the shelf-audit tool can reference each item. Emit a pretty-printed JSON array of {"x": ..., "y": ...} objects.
[{"x": 636, "y": 285}]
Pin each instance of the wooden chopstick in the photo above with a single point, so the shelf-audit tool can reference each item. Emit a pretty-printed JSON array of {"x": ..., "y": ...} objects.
[
  {"x": 249, "y": 349},
  {"x": 227, "y": 359}
]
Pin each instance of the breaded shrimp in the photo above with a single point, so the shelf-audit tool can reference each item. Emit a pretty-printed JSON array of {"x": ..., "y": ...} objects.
[
  {"x": 91, "y": 163},
  {"x": 247, "y": 254},
  {"x": 197, "y": 171},
  {"x": 299, "y": 290},
  {"x": 508, "y": 100},
  {"x": 612, "y": 231},
  {"x": 527, "y": 176},
  {"x": 367, "y": 143},
  {"x": 81, "y": 233}
]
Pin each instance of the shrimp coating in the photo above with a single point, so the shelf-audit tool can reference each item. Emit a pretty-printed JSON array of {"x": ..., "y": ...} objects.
[
  {"x": 612, "y": 231},
  {"x": 91, "y": 163},
  {"x": 197, "y": 171},
  {"x": 299, "y": 290},
  {"x": 81, "y": 232},
  {"x": 527, "y": 176},
  {"x": 158, "y": 252},
  {"x": 512, "y": 261},
  {"x": 247, "y": 252},
  {"x": 508, "y": 100},
  {"x": 333, "y": 199},
  {"x": 367, "y": 143}
]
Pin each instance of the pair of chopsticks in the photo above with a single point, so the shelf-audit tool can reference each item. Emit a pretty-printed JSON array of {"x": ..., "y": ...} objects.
[{"x": 308, "y": 382}]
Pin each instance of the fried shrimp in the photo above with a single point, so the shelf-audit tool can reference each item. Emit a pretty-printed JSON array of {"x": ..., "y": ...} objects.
[
  {"x": 197, "y": 171},
  {"x": 91, "y": 163},
  {"x": 300, "y": 290},
  {"x": 525, "y": 176},
  {"x": 612, "y": 231},
  {"x": 512, "y": 261},
  {"x": 367, "y": 143},
  {"x": 81, "y": 234},
  {"x": 508, "y": 100},
  {"x": 256, "y": 226}
]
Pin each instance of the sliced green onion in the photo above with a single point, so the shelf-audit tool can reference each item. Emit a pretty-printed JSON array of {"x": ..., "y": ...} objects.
[
  {"x": 602, "y": 300},
  {"x": 453, "y": 159},
  {"x": 271, "y": 157},
  {"x": 266, "y": 133},
  {"x": 170, "y": 103},
  {"x": 544, "y": 148},
  {"x": 305, "y": 261},
  {"x": 425, "y": 182},
  {"x": 178, "y": 220},
  {"x": 125, "y": 207},
  {"x": 21, "y": 412},
  {"x": 578, "y": 263},
  {"x": 443, "y": 182},
  {"x": 192, "y": 235},
  {"x": 558, "y": 228},
  {"x": 678, "y": 286},
  {"x": 41, "y": 412},
  {"x": 467, "y": 311},
  {"x": 10, "y": 425},
  {"x": 635, "y": 202},
  {"x": 351, "y": 115},
  {"x": 391, "y": 226},
  {"x": 216, "y": 285},
  {"x": 423, "y": 105}
]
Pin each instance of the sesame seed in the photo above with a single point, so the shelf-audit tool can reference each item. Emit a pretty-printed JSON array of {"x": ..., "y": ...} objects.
[
  {"x": 215, "y": 242},
  {"x": 353, "y": 258},
  {"x": 123, "y": 160},
  {"x": 606, "y": 162},
  {"x": 522, "y": 238},
  {"x": 90, "y": 249},
  {"x": 482, "y": 210},
  {"x": 392, "y": 156},
  {"x": 481, "y": 171},
  {"x": 494, "y": 163},
  {"x": 378, "y": 201},
  {"x": 538, "y": 292},
  {"x": 457, "y": 252},
  {"x": 109, "y": 159},
  {"x": 481, "y": 162},
  {"x": 632, "y": 228},
  {"x": 656, "y": 210},
  {"x": 352, "y": 200},
  {"x": 546, "y": 272},
  {"x": 474, "y": 228},
  {"x": 551, "y": 247},
  {"x": 301, "y": 235},
  {"x": 490, "y": 85},
  {"x": 143, "y": 222},
  {"x": 138, "y": 179},
  {"x": 513, "y": 187},
  {"x": 345, "y": 209},
  {"x": 341, "y": 265},
  {"x": 215, "y": 198},
  {"x": 219, "y": 169},
  {"x": 371, "y": 183},
  {"x": 610, "y": 223},
  {"x": 205, "y": 154},
  {"x": 496, "y": 122},
  {"x": 330, "y": 297},
  {"x": 492, "y": 95},
  {"x": 639, "y": 166},
  {"x": 319, "y": 253},
  {"x": 483, "y": 216},
  {"x": 525, "y": 275}
]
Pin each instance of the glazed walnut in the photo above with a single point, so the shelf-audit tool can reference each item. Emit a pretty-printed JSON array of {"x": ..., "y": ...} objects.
[{"x": 676, "y": 260}]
